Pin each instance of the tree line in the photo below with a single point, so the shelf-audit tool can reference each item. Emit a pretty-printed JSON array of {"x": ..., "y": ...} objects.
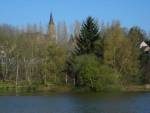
[{"x": 93, "y": 57}]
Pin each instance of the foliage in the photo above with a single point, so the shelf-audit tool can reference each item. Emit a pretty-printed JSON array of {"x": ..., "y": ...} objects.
[
  {"x": 89, "y": 33},
  {"x": 94, "y": 57},
  {"x": 144, "y": 65},
  {"x": 120, "y": 53},
  {"x": 55, "y": 61},
  {"x": 94, "y": 75},
  {"x": 136, "y": 36}
]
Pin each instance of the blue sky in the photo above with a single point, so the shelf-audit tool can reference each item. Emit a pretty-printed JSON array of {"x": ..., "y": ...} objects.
[{"x": 128, "y": 12}]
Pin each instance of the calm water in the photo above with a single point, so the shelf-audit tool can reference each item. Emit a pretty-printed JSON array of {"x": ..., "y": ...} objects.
[{"x": 77, "y": 103}]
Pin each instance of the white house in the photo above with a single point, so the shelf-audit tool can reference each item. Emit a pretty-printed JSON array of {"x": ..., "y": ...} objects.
[{"x": 145, "y": 46}]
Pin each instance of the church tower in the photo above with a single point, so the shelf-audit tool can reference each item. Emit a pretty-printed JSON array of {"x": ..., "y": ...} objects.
[{"x": 51, "y": 29}]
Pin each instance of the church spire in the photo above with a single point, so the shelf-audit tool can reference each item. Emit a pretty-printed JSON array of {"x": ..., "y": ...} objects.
[
  {"x": 51, "y": 28},
  {"x": 51, "y": 19}
]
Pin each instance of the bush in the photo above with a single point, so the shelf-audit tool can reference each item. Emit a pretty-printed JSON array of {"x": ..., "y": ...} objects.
[{"x": 94, "y": 75}]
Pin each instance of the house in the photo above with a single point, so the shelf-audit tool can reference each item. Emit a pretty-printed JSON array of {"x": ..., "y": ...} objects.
[{"x": 145, "y": 47}]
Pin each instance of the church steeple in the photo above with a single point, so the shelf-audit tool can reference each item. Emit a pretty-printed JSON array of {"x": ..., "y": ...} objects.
[
  {"x": 51, "y": 19},
  {"x": 51, "y": 28}
]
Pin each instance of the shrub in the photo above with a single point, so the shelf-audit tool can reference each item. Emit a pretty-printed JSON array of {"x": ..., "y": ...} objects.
[{"x": 93, "y": 74}]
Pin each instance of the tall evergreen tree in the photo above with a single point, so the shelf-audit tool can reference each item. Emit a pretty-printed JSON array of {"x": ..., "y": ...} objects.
[{"x": 89, "y": 33}]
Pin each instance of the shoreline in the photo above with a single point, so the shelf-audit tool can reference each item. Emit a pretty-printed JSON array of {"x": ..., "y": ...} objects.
[{"x": 33, "y": 90}]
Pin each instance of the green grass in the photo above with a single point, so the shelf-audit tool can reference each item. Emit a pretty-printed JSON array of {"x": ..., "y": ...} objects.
[{"x": 8, "y": 88}]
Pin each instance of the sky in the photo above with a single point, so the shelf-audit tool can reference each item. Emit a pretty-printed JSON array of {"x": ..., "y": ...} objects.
[{"x": 23, "y": 12}]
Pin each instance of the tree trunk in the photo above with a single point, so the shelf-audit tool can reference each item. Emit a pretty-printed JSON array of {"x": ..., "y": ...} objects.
[
  {"x": 45, "y": 80},
  {"x": 17, "y": 74},
  {"x": 66, "y": 78}
]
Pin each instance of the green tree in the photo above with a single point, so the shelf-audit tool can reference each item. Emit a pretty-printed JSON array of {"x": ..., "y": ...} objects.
[
  {"x": 145, "y": 64},
  {"x": 93, "y": 75},
  {"x": 89, "y": 33},
  {"x": 120, "y": 53},
  {"x": 54, "y": 62},
  {"x": 136, "y": 36}
]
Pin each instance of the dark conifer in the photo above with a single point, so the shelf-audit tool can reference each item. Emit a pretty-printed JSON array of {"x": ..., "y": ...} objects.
[{"x": 88, "y": 35}]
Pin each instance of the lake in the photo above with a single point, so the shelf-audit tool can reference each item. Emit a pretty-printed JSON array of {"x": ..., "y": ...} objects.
[{"x": 77, "y": 103}]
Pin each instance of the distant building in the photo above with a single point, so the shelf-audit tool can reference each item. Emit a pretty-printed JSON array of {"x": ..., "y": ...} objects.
[
  {"x": 145, "y": 47},
  {"x": 51, "y": 29}
]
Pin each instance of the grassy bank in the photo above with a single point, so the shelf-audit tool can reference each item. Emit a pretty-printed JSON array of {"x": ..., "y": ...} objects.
[
  {"x": 9, "y": 88},
  {"x": 136, "y": 88}
]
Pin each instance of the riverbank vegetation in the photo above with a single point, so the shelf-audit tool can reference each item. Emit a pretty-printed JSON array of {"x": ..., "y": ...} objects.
[{"x": 92, "y": 57}]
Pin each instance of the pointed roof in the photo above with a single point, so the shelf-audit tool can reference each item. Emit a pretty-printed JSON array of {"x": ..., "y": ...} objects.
[
  {"x": 51, "y": 21},
  {"x": 143, "y": 44}
]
